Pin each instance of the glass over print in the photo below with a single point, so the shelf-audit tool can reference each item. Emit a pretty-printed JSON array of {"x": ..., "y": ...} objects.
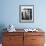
[{"x": 26, "y": 13}]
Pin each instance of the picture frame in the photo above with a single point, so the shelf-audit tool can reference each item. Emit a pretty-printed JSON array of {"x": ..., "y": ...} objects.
[{"x": 26, "y": 13}]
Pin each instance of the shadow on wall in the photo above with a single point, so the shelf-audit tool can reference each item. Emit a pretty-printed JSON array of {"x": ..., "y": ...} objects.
[{"x": 2, "y": 26}]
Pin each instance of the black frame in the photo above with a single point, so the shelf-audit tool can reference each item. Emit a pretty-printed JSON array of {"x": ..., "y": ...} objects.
[{"x": 28, "y": 12}]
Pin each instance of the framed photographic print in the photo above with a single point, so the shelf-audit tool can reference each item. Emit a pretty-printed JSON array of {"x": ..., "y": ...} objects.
[{"x": 26, "y": 13}]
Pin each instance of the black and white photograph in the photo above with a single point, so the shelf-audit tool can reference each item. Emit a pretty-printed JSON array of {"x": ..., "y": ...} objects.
[{"x": 26, "y": 13}]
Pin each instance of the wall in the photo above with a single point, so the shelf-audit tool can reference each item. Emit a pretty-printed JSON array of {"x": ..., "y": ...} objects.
[{"x": 9, "y": 13}]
